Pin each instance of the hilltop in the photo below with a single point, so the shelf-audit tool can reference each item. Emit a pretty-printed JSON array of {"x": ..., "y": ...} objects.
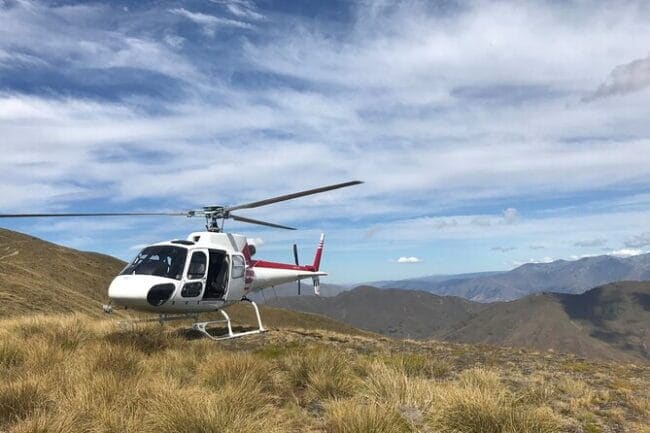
[
  {"x": 392, "y": 312},
  {"x": 609, "y": 322}
]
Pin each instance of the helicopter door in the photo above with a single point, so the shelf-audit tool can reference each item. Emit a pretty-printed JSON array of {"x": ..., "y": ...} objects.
[
  {"x": 237, "y": 273},
  {"x": 196, "y": 275},
  {"x": 218, "y": 272}
]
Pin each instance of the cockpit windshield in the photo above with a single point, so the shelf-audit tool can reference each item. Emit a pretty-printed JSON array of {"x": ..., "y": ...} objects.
[{"x": 161, "y": 260}]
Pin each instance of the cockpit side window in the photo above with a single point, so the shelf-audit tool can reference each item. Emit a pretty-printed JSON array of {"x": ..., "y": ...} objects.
[
  {"x": 198, "y": 266},
  {"x": 160, "y": 260}
]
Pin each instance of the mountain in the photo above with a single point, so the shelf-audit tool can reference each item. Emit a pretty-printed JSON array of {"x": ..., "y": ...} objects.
[
  {"x": 39, "y": 276},
  {"x": 608, "y": 322},
  {"x": 425, "y": 283},
  {"x": 291, "y": 289},
  {"x": 392, "y": 312},
  {"x": 561, "y": 276},
  {"x": 611, "y": 321}
]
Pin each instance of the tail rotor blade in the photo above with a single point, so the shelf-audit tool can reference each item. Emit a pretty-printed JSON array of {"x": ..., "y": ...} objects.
[{"x": 295, "y": 258}]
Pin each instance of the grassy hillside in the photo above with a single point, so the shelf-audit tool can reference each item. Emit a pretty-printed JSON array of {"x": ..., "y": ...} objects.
[
  {"x": 74, "y": 374},
  {"x": 38, "y": 276},
  {"x": 391, "y": 312},
  {"x": 609, "y": 322}
]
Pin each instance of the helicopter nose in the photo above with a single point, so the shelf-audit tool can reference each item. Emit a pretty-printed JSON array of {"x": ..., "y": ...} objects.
[{"x": 141, "y": 291}]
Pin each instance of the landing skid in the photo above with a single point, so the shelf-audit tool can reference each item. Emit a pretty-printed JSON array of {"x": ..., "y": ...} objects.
[{"x": 202, "y": 326}]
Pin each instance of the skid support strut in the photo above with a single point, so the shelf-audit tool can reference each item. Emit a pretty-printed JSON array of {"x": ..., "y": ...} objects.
[{"x": 202, "y": 326}]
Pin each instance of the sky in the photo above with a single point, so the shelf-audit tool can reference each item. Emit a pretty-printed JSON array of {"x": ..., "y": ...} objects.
[{"x": 488, "y": 134}]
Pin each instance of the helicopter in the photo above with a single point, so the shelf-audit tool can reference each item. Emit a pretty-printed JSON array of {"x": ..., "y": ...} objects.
[{"x": 208, "y": 271}]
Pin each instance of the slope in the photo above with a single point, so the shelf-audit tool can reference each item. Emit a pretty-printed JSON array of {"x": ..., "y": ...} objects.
[
  {"x": 609, "y": 322},
  {"x": 38, "y": 276},
  {"x": 396, "y": 313}
]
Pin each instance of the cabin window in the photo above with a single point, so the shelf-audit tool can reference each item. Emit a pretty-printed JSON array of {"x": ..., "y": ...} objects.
[
  {"x": 238, "y": 266},
  {"x": 159, "y": 260},
  {"x": 198, "y": 266}
]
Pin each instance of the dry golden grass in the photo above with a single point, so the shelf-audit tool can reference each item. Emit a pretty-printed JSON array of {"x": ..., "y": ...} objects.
[{"x": 75, "y": 374}]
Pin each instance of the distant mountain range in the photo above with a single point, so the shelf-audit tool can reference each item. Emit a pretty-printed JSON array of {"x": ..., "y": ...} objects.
[
  {"x": 560, "y": 276},
  {"x": 609, "y": 322}
]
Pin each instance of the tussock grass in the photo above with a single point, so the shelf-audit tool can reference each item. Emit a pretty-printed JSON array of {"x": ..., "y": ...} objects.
[
  {"x": 479, "y": 403},
  {"x": 317, "y": 374},
  {"x": 21, "y": 398},
  {"x": 11, "y": 354},
  {"x": 386, "y": 385},
  {"x": 351, "y": 416},
  {"x": 71, "y": 374},
  {"x": 417, "y": 364}
]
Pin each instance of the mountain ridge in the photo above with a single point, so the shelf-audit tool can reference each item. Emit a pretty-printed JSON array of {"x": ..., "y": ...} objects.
[
  {"x": 561, "y": 276},
  {"x": 607, "y": 322}
]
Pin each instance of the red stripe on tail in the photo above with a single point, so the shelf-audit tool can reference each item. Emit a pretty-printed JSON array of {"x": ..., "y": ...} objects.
[{"x": 319, "y": 252}]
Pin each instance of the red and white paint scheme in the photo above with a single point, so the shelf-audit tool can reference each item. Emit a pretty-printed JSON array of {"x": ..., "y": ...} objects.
[
  {"x": 203, "y": 273},
  {"x": 208, "y": 271}
]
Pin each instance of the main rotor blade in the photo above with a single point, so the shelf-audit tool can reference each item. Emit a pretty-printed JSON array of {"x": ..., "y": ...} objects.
[
  {"x": 91, "y": 214},
  {"x": 292, "y": 196},
  {"x": 262, "y": 223}
]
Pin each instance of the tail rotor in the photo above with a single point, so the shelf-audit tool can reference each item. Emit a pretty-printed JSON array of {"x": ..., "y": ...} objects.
[{"x": 295, "y": 258}]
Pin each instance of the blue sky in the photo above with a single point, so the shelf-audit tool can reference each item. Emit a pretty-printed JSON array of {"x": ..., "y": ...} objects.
[{"x": 488, "y": 134}]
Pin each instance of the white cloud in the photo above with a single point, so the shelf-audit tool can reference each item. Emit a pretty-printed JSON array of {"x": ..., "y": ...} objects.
[
  {"x": 503, "y": 249},
  {"x": 624, "y": 79},
  {"x": 209, "y": 22},
  {"x": 510, "y": 215},
  {"x": 638, "y": 241},
  {"x": 258, "y": 242},
  {"x": 626, "y": 252},
  {"x": 546, "y": 259},
  {"x": 597, "y": 242},
  {"x": 245, "y": 10},
  {"x": 174, "y": 41},
  {"x": 410, "y": 259},
  {"x": 36, "y": 33},
  {"x": 412, "y": 102}
]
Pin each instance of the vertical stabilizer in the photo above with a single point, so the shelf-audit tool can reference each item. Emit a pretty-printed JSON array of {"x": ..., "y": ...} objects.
[{"x": 319, "y": 252}]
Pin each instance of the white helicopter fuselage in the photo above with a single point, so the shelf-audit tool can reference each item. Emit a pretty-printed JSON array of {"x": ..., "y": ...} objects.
[{"x": 206, "y": 272}]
